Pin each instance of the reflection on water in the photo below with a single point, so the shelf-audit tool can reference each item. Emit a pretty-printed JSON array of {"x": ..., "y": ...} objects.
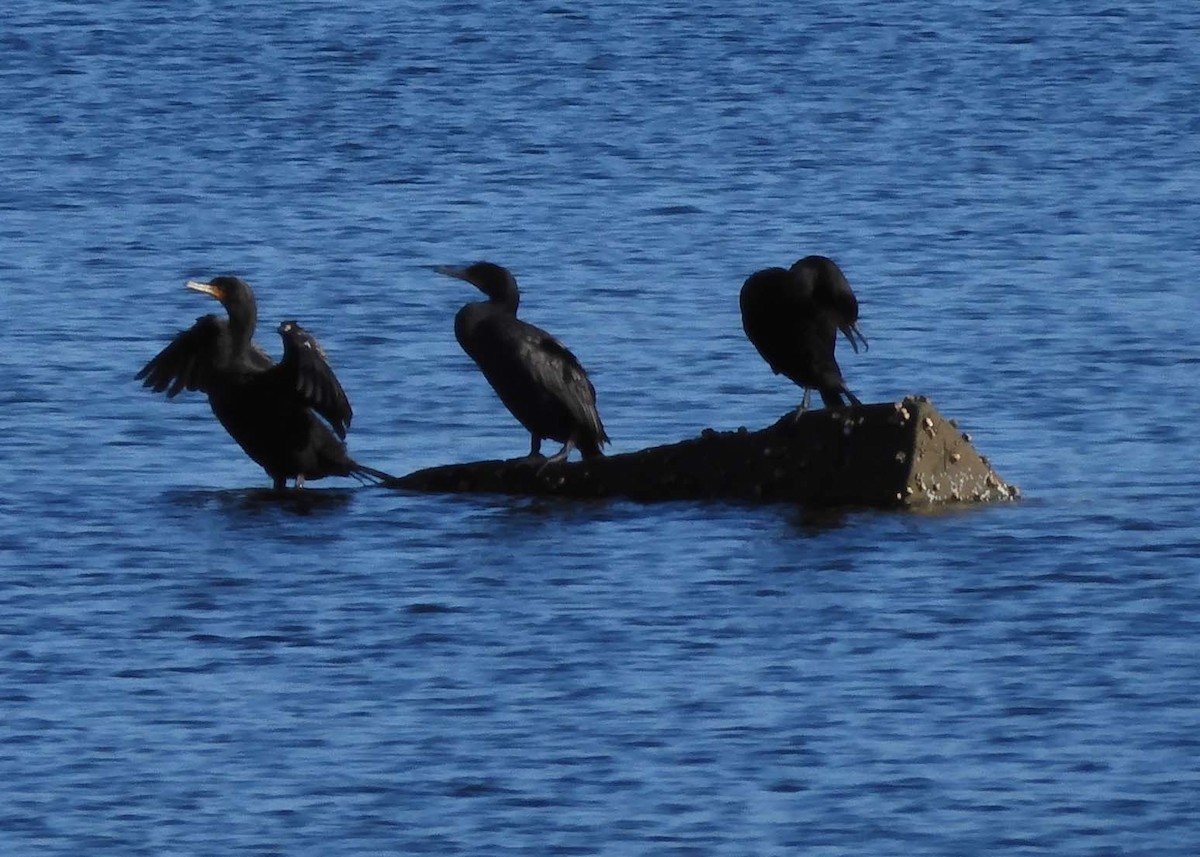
[{"x": 262, "y": 501}]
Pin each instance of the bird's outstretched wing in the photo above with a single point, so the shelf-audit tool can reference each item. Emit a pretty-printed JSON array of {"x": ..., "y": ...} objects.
[
  {"x": 190, "y": 361},
  {"x": 196, "y": 357},
  {"x": 306, "y": 367}
]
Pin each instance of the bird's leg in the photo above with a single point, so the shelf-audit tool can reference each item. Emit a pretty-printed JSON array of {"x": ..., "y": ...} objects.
[
  {"x": 279, "y": 484},
  {"x": 299, "y": 480},
  {"x": 804, "y": 403},
  {"x": 559, "y": 456},
  {"x": 535, "y": 450}
]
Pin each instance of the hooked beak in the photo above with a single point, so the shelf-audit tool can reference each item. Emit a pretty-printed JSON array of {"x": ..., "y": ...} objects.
[
  {"x": 206, "y": 288},
  {"x": 855, "y": 337},
  {"x": 456, "y": 271}
]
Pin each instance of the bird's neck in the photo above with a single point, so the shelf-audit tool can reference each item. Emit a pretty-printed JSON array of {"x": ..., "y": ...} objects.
[
  {"x": 242, "y": 321},
  {"x": 507, "y": 302}
]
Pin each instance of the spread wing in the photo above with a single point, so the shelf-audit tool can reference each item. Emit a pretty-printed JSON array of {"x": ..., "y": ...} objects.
[
  {"x": 306, "y": 367},
  {"x": 196, "y": 357}
]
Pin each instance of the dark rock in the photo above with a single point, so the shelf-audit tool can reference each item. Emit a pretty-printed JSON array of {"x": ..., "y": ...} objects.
[{"x": 893, "y": 455}]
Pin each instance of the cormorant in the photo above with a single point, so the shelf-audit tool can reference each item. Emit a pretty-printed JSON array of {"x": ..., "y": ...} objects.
[
  {"x": 537, "y": 378},
  {"x": 793, "y": 315},
  {"x": 269, "y": 408}
]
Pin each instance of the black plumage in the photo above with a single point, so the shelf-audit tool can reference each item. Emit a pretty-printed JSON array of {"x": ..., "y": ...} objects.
[
  {"x": 792, "y": 316},
  {"x": 306, "y": 365},
  {"x": 538, "y": 379},
  {"x": 270, "y": 409}
]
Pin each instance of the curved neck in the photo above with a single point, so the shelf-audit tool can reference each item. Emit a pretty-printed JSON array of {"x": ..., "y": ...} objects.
[
  {"x": 243, "y": 318},
  {"x": 508, "y": 300}
]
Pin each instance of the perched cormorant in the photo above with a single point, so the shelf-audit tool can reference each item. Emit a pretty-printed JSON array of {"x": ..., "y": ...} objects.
[
  {"x": 534, "y": 374},
  {"x": 793, "y": 315},
  {"x": 269, "y": 408}
]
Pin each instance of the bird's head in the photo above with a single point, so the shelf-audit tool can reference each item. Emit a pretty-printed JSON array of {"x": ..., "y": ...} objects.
[
  {"x": 831, "y": 292},
  {"x": 495, "y": 281},
  {"x": 229, "y": 290}
]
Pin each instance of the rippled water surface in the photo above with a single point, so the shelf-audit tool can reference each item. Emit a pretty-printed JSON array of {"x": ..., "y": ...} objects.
[{"x": 192, "y": 665}]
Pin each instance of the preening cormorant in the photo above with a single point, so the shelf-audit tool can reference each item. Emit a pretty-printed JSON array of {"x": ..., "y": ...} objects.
[
  {"x": 269, "y": 408},
  {"x": 537, "y": 378},
  {"x": 793, "y": 315}
]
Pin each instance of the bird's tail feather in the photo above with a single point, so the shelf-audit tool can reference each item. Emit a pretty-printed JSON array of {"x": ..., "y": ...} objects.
[
  {"x": 831, "y": 397},
  {"x": 592, "y": 447},
  {"x": 369, "y": 475}
]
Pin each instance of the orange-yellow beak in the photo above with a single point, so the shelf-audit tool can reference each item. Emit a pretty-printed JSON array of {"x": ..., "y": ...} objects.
[{"x": 206, "y": 288}]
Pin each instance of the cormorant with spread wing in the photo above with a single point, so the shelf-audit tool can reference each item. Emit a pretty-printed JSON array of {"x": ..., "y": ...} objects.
[
  {"x": 793, "y": 315},
  {"x": 537, "y": 378},
  {"x": 270, "y": 409}
]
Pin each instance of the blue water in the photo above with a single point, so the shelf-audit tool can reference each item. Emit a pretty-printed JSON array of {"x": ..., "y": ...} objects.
[{"x": 191, "y": 666}]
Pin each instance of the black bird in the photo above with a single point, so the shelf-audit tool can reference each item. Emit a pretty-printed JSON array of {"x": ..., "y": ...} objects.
[
  {"x": 537, "y": 378},
  {"x": 270, "y": 409},
  {"x": 793, "y": 315}
]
